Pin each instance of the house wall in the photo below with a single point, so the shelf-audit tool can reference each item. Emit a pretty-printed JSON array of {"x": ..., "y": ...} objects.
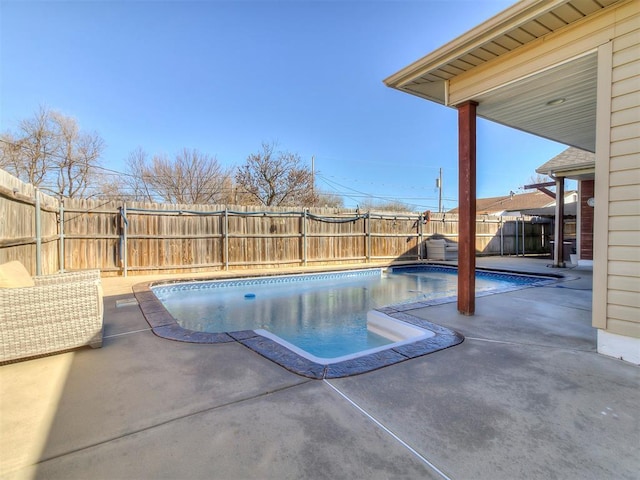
[
  {"x": 586, "y": 220},
  {"x": 618, "y": 176}
]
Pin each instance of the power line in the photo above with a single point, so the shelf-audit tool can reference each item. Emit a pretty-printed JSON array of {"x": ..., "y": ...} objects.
[
  {"x": 357, "y": 194},
  {"x": 336, "y": 188}
]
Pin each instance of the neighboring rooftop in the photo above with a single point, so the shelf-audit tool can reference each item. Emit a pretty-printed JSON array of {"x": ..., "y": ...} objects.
[
  {"x": 570, "y": 210},
  {"x": 512, "y": 203},
  {"x": 570, "y": 160}
]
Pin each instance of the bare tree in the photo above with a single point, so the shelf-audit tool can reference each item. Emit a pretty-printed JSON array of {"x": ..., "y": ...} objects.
[
  {"x": 329, "y": 200},
  {"x": 111, "y": 189},
  {"x": 50, "y": 152},
  {"x": 135, "y": 183},
  {"x": 78, "y": 155},
  {"x": 385, "y": 206},
  {"x": 273, "y": 178},
  {"x": 131, "y": 184},
  {"x": 539, "y": 178},
  {"x": 191, "y": 177},
  {"x": 9, "y": 151},
  {"x": 229, "y": 194},
  {"x": 28, "y": 152}
]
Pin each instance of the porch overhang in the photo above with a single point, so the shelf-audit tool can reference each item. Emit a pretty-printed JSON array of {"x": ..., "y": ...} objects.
[
  {"x": 533, "y": 67},
  {"x": 523, "y": 69}
]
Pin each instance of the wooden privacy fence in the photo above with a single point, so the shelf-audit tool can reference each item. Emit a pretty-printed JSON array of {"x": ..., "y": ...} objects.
[{"x": 49, "y": 235}]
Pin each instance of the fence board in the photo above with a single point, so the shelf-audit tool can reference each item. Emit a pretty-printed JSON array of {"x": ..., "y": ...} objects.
[{"x": 182, "y": 238}]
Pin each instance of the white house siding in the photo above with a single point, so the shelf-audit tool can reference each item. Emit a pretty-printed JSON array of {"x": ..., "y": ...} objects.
[{"x": 620, "y": 336}]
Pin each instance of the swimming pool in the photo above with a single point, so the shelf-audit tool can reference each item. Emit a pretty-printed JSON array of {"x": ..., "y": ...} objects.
[{"x": 327, "y": 318}]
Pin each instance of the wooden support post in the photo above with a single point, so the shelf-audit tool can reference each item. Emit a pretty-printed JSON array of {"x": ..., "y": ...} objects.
[{"x": 467, "y": 208}]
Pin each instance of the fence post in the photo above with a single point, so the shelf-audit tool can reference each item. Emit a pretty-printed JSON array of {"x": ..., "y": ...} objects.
[
  {"x": 123, "y": 249},
  {"x": 304, "y": 237},
  {"x": 419, "y": 249},
  {"x": 226, "y": 238},
  {"x": 367, "y": 231},
  {"x": 38, "y": 234},
  {"x": 501, "y": 227},
  {"x": 61, "y": 246},
  {"x": 523, "y": 237}
]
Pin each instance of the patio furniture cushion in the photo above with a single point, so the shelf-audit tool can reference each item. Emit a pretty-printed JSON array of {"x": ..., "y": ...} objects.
[{"x": 14, "y": 275}]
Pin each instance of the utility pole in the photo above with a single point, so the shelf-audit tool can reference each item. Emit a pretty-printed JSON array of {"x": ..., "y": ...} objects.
[{"x": 439, "y": 187}]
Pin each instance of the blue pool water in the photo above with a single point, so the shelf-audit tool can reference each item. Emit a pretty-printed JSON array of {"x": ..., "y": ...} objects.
[{"x": 322, "y": 314}]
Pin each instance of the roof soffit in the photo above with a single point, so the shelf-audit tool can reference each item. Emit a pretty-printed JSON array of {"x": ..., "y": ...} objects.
[
  {"x": 475, "y": 39},
  {"x": 568, "y": 160},
  {"x": 522, "y": 23},
  {"x": 522, "y": 103},
  {"x": 525, "y": 105}
]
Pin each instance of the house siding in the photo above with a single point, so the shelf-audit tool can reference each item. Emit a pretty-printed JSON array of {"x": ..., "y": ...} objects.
[{"x": 623, "y": 249}]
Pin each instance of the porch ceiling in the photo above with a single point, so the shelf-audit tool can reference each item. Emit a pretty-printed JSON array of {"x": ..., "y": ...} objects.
[
  {"x": 525, "y": 104},
  {"x": 522, "y": 104}
]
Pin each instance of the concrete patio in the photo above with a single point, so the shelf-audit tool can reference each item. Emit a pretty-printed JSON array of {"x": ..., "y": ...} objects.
[{"x": 524, "y": 396}]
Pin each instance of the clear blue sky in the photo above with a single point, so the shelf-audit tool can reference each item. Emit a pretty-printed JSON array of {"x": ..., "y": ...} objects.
[{"x": 224, "y": 76}]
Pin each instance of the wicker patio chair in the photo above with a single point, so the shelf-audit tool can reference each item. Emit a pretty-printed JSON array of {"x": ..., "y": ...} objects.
[{"x": 59, "y": 312}]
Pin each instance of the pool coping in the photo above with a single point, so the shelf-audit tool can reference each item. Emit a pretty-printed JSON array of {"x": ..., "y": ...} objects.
[{"x": 164, "y": 325}]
